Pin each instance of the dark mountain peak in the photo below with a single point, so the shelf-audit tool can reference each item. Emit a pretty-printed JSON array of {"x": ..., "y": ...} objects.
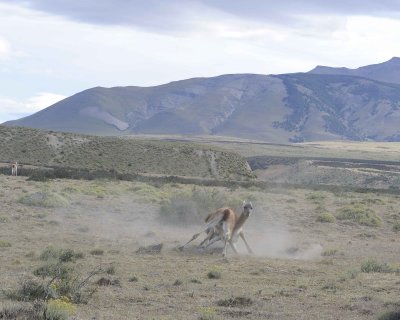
[
  {"x": 329, "y": 70},
  {"x": 388, "y": 71},
  {"x": 394, "y": 60}
]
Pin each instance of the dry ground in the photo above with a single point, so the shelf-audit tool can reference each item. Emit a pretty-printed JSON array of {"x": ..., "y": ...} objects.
[{"x": 301, "y": 269}]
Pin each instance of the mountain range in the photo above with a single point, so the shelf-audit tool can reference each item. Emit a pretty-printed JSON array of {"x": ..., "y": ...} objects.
[{"x": 323, "y": 104}]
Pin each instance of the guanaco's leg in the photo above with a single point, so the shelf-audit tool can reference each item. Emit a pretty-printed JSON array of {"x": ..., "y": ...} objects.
[{"x": 241, "y": 234}]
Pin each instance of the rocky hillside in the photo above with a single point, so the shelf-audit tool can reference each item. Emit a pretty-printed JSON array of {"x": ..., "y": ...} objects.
[
  {"x": 123, "y": 155},
  {"x": 277, "y": 108}
]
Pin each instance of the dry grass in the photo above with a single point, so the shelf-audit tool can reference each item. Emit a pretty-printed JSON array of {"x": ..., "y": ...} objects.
[{"x": 302, "y": 269}]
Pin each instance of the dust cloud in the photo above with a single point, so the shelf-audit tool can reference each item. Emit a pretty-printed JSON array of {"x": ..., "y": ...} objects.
[{"x": 125, "y": 222}]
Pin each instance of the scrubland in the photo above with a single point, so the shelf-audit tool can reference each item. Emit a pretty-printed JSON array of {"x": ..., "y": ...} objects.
[{"x": 78, "y": 249}]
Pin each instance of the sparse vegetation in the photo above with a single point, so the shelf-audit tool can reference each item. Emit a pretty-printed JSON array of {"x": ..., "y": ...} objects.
[
  {"x": 118, "y": 229},
  {"x": 93, "y": 156}
]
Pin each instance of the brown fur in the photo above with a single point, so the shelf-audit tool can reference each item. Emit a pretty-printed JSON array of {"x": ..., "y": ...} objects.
[{"x": 224, "y": 224}]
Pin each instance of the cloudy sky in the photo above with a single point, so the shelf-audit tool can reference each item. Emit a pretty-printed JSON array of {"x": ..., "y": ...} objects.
[{"x": 51, "y": 49}]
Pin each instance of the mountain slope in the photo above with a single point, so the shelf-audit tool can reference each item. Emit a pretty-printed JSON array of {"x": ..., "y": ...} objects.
[
  {"x": 277, "y": 108},
  {"x": 388, "y": 71}
]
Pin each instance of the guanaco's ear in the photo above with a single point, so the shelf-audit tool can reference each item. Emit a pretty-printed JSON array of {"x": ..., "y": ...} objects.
[
  {"x": 251, "y": 205},
  {"x": 244, "y": 203}
]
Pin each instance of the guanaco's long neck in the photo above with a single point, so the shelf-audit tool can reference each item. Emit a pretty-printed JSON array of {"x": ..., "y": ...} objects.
[{"x": 240, "y": 222}]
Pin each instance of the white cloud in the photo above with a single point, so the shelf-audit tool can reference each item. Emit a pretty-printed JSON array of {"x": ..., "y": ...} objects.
[
  {"x": 53, "y": 54},
  {"x": 11, "y": 109},
  {"x": 5, "y": 48},
  {"x": 42, "y": 100}
]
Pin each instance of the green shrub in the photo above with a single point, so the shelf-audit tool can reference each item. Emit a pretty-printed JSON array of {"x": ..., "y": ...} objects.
[
  {"x": 29, "y": 290},
  {"x": 133, "y": 279},
  {"x": 207, "y": 314},
  {"x": 214, "y": 274},
  {"x": 49, "y": 253},
  {"x": 390, "y": 315},
  {"x": 63, "y": 255},
  {"x": 373, "y": 265},
  {"x": 54, "y": 270},
  {"x": 329, "y": 252},
  {"x": 360, "y": 214},
  {"x": 45, "y": 199},
  {"x": 4, "y": 219},
  {"x": 178, "y": 282},
  {"x": 192, "y": 208},
  {"x": 59, "y": 309},
  {"x": 22, "y": 311},
  {"x": 396, "y": 226},
  {"x": 326, "y": 218},
  {"x": 316, "y": 197},
  {"x": 97, "y": 252},
  {"x": 4, "y": 244},
  {"x": 235, "y": 302},
  {"x": 330, "y": 286},
  {"x": 352, "y": 273},
  {"x": 110, "y": 270},
  {"x": 67, "y": 255}
]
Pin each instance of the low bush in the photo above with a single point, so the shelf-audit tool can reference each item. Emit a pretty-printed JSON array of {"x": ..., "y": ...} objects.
[
  {"x": 45, "y": 199},
  {"x": 373, "y": 265},
  {"x": 326, "y": 218},
  {"x": 4, "y": 244},
  {"x": 97, "y": 252},
  {"x": 235, "y": 302},
  {"x": 396, "y": 226},
  {"x": 59, "y": 309},
  {"x": 23, "y": 311},
  {"x": 63, "y": 255},
  {"x": 316, "y": 197},
  {"x": 390, "y": 315},
  {"x": 4, "y": 219},
  {"x": 133, "y": 279},
  {"x": 329, "y": 252},
  {"x": 214, "y": 274},
  {"x": 30, "y": 290},
  {"x": 193, "y": 207},
  {"x": 360, "y": 214},
  {"x": 207, "y": 314}
]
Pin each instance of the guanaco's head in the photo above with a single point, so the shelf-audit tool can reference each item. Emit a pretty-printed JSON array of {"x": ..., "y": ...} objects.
[{"x": 247, "y": 207}]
